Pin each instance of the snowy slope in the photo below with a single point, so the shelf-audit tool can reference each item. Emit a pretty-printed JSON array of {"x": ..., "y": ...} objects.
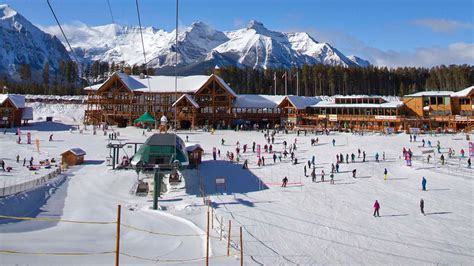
[
  {"x": 24, "y": 43},
  {"x": 201, "y": 46}
]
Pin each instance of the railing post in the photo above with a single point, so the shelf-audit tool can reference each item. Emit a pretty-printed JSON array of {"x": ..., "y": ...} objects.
[{"x": 117, "y": 240}]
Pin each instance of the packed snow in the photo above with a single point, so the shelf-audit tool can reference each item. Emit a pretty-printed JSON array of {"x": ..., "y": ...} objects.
[{"x": 304, "y": 223}]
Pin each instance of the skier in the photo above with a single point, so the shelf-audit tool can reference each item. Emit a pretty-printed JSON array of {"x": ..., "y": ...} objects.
[
  {"x": 275, "y": 158},
  {"x": 313, "y": 160},
  {"x": 2, "y": 162},
  {"x": 263, "y": 161},
  {"x": 376, "y": 208},
  {"x": 383, "y": 156},
  {"x": 354, "y": 173},
  {"x": 245, "y": 165},
  {"x": 423, "y": 141},
  {"x": 469, "y": 163},
  {"x": 422, "y": 206},
  {"x": 462, "y": 153},
  {"x": 428, "y": 158},
  {"x": 214, "y": 154},
  {"x": 442, "y": 159},
  {"x": 414, "y": 138},
  {"x": 347, "y": 158},
  {"x": 219, "y": 153},
  {"x": 222, "y": 141},
  {"x": 51, "y": 137},
  {"x": 24, "y": 161},
  {"x": 17, "y": 158},
  {"x": 337, "y": 168},
  {"x": 358, "y": 151},
  {"x": 305, "y": 170},
  {"x": 322, "y": 175},
  {"x": 313, "y": 175},
  {"x": 187, "y": 138},
  {"x": 423, "y": 184},
  {"x": 377, "y": 157},
  {"x": 332, "y": 168},
  {"x": 333, "y": 142},
  {"x": 332, "y": 178},
  {"x": 363, "y": 154},
  {"x": 353, "y": 157},
  {"x": 284, "y": 182},
  {"x": 429, "y": 143},
  {"x": 385, "y": 172},
  {"x": 253, "y": 146},
  {"x": 411, "y": 138}
]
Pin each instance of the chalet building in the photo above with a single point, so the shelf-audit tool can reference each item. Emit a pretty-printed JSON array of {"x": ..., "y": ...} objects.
[
  {"x": 13, "y": 110},
  {"x": 441, "y": 110},
  {"x": 208, "y": 100},
  {"x": 199, "y": 100},
  {"x": 355, "y": 113}
]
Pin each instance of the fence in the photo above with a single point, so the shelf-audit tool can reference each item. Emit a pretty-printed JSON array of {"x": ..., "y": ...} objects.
[
  {"x": 119, "y": 225},
  {"x": 17, "y": 188}
]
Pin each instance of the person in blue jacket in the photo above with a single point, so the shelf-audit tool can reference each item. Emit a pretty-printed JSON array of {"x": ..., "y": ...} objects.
[{"x": 423, "y": 183}]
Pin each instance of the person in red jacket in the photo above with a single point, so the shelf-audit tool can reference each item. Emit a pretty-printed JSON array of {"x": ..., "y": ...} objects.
[{"x": 376, "y": 208}]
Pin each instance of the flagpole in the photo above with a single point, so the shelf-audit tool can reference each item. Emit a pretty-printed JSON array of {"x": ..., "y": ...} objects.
[
  {"x": 275, "y": 83},
  {"x": 297, "y": 84}
]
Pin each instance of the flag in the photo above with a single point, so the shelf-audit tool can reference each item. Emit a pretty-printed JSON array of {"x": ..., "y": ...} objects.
[
  {"x": 284, "y": 76},
  {"x": 274, "y": 76}
]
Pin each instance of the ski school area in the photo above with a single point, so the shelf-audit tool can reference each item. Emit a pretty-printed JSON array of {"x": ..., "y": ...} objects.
[{"x": 225, "y": 212}]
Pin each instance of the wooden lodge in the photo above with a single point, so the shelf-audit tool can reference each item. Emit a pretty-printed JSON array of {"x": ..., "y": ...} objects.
[
  {"x": 13, "y": 110},
  {"x": 209, "y": 101}
]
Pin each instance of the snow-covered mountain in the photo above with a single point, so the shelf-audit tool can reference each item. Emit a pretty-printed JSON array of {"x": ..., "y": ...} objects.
[
  {"x": 24, "y": 43},
  {"x": 201, "y": 46}
]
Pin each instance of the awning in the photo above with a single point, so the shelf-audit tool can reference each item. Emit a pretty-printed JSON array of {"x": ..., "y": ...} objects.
[{"x": 145, "y": 118}]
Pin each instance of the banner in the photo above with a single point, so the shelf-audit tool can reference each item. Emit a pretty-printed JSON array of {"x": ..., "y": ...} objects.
[
  {"x": 258, "y": 150},
  {"x": 471, "y": 149},
  {"x": 333, "y": 118}
]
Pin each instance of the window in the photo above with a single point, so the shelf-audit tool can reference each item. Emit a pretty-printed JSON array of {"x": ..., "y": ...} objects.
[
  {"x": 432, "y": 100},
  {"x": 465, "y": 101},
  {"x": 439, "y": 100}
]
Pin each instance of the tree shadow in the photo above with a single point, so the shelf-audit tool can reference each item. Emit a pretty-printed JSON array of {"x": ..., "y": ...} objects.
[
  {"x": 93, "y": 162},
  {"x": 49, "y": 126},
  {"x": 237, "y": 180},
  {"x": 46, "y": 201}
]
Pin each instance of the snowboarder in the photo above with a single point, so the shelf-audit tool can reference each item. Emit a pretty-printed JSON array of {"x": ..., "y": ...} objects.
[
  {"x": 284, "y": 182},
  {"x": 354, "y": 173},
  {"x": 17, "y": 158},
  {"x": 423, "y": 184},
  {"x": 385, "y": 172},
  {"x": 422, "y": 206},
  {"x": 51, "y": 137},
  {"x": 337, "y": 168},
  {"x": 376, "y": 208},
  {"x": 275, "y": 158},
  {"x": 377, "y": 157}
]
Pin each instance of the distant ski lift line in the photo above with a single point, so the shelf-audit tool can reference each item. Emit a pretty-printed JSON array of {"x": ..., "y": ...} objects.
[{"x": 143, "y": 43}]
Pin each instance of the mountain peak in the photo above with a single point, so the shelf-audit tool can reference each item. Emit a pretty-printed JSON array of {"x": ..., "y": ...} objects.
[
  {"x": 256, "y": 25},
  {"x": 7, "y": 11}
]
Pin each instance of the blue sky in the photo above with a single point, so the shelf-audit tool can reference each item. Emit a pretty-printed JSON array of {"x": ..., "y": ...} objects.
[{"x": 404, "y": 32}]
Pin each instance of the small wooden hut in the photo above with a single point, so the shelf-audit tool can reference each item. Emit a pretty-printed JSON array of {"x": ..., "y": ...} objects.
[
  {"x": 73, "y": 156},
  {"x": 195, "y": 154}
]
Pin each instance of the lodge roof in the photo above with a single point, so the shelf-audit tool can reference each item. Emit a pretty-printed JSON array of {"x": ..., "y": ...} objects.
[
  {"x": 430, "y": 93},
  {"x": 329, "y": 104},
  {"x": 164, "y": 84},
  {"x": 17, "y": 100},
  {"x": 463, "y": 93}
]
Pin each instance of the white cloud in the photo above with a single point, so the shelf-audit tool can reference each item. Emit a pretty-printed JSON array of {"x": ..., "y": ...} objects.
[
  {"x": 239, "y": 23},
  {"x": 455, "y": 53},
  {"x": 443, "y": 25}
]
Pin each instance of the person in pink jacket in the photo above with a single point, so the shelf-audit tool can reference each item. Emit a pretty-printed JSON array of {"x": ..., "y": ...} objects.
[{"x": 376, "y": 208}]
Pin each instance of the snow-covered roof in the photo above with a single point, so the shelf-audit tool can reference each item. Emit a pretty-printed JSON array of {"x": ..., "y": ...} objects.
[
  {"x": 328, "y": 104},
  {"x": 463, "y": 93},
  {"x": 193, "y": 147},
  {"x": 190, "y": 99},
  {"x": 164, "y": 84},
  {"x": 301, "y": 102},
  {"x": 430, "y": 93},
  {"x": 17, "y": 100},
  {"x": 76, "y": 151},
  {"x": 27, "y": 113},
  {"x": 257, "y": 101}
]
